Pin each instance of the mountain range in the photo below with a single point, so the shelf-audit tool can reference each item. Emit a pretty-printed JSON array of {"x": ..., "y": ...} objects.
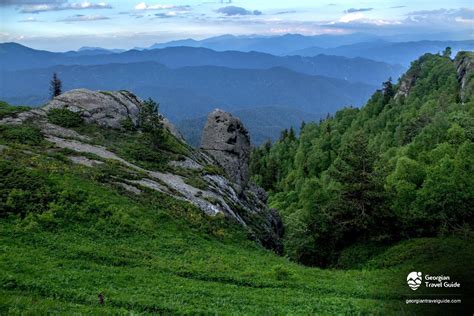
[
  {"x": 189, "y": 92},
  {"x": 311, "y": 75},
  {"x": 17, "y": 57},
  {"x": 351, "y": 45}
]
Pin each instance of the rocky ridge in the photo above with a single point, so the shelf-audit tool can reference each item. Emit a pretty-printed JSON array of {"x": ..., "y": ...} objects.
[{"x": 227, "y": 146}]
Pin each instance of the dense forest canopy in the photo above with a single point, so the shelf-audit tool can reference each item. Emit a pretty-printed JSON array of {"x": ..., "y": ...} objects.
[{"x": 400, "y": 167}]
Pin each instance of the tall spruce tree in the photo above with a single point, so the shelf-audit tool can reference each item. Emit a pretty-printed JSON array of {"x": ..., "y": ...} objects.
[{"x": 55, "y": 86}]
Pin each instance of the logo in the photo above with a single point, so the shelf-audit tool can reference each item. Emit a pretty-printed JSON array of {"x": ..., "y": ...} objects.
[{"x": 414, "y": 280}]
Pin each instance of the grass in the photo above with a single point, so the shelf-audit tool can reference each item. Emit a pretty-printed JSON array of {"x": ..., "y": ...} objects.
[
  {"x": 135, "y": 146},
  {"x": 9, "y": 110},
  {"x": 152, "y": 254}
]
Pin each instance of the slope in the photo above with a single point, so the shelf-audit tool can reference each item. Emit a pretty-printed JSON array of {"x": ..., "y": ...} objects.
[
  {"x": 399, "y": 168},
  {"x": 150, "y": 253}
]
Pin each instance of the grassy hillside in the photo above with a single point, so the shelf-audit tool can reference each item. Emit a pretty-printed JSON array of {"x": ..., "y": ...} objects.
[{"x": 69, "y": 233}]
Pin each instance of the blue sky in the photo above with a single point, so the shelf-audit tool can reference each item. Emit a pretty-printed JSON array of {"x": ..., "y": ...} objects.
[{"x": 69, "y": 24}]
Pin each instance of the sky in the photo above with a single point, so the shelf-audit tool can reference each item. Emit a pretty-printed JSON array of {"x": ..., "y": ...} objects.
[{"x": 60, "y": 25}]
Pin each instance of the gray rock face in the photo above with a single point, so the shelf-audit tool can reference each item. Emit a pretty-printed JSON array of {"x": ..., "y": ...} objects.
[
  {"x": 103, "y": 108},
  {"x": 464, "y": 68},
  {"x": 226, "y": 139}
]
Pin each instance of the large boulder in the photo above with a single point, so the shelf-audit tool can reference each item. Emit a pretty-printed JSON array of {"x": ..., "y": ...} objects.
[
  {"x": 226, "y": 139},
  {"x": 104, "y": 108}
]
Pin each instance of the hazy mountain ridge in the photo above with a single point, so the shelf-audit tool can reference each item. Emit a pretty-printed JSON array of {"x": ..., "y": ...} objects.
[
  {"x": 265, "y": 87},
  {"x": 17, "y": 57},
  {"x": 276, "y": 45},
  {"x": 398, "y": 53}
]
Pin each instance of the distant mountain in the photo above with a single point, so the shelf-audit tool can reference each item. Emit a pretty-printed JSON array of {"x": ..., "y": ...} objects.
[
  {"x": 15, "y": 57},
  {"x": 88, "y": 48},
  {"x": 93, "y": 51},
  {"x": 263, "y": 123},
  {"x": 191, "y": 92},
  {"x": 396, "y": 53},
  {"x": 276, "y": 45}
]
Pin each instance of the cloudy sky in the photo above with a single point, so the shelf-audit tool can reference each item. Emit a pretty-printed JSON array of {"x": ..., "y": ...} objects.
[{"x": 69, "y": 24}]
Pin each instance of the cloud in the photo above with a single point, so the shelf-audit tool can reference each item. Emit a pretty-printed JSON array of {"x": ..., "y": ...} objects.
[
  {"x": 358, "y": 19},
  {"x": 353, "y": 10},
  {"x": 236, "y": 11},
  {"x": 29, "y": 20},
  {"x": 142, "y": 6},
  {"x": 424, "y": 21},
  {"x": 286, "y": 12},
  {"x": 398, "y": 7},
  {"x": 84, "y": 18},
  {"x": 19, "y": 3},
  {"x": 46, "y": 6},
  {"x": 441, "y": 17}
]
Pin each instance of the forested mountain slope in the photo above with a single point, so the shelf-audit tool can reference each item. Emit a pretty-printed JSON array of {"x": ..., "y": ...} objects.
[{"x": 398, "y": 168}]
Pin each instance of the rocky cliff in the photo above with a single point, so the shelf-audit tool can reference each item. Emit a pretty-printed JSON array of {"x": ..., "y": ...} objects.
[
  {"x": 185, "y": 177},
  {"x": 464, "y": 63},
  {"x": 227, "y": 141}
]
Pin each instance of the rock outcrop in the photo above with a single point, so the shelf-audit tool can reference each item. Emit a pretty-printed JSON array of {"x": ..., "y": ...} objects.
[
  {"x": 227, "y": 141},
  {"x": 464, "y": 62},
  {"x": 104, "y": 108}
]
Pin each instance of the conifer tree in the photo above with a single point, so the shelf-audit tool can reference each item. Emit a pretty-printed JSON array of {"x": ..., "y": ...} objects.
[{"x": 55, "y": 86}]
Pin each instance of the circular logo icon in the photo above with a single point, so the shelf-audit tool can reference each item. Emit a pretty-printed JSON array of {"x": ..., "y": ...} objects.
[{"x": 414, "y": 280}]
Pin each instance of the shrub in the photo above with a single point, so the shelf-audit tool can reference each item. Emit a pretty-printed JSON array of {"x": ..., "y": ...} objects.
[
  {"x": 65, "y": 118},
  {"x": 22, "y": 134},
  {"x": 7, "y": 109},
  {"x": 127, "y": 124},
  {"x": 144, "y": 154},
  {"x": 213, "y": 170},
  {"x": 23, "y": 191},
  {"x": 282, "y": 273}
]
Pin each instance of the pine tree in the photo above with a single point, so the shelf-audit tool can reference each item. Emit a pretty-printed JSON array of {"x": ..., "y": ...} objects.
[
  {"x": 55, "y": 86},
  {"x": 388, "y": 91}
]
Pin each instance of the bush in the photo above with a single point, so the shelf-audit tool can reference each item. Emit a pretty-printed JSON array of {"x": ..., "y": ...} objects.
[
  {"x": 144, "y": 154},
  {"x": 22, "y": 134},
  {"x": 65, "y": 118},
  {"x": 8, "y": 110},
  {"x": 282, "y": 273},
  {"x": 23, "y": 191},
  {"x": 127, "y": 124},
  {"x": 213, "y": 170}
]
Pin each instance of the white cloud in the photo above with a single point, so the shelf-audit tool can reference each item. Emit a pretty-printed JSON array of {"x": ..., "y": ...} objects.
[
  {"x": 361, "y": 18},
  {"x": 143, "y": 6},
  {"x": 84, "y": 18},
  {"x": 29, "y": 20},
  {"x": 61, "y": 6},
  {"x": 236, "y": 11},
  {"x": 441, "y": 17}
]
